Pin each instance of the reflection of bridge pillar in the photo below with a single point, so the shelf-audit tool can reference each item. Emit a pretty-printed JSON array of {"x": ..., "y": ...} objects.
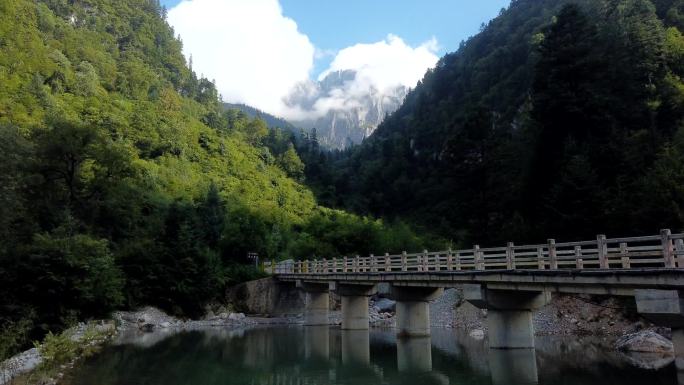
[
  {"x": 666, "y": 308},
  {"x": 317, "y": 343},
  {"x": 517, "y": 366},
  {"x": 354, "y": 300},
  {"x": 317, "y": 303},
  {"x": 509, "y": 314},
  {"x": 414, "y": 354},
  {"x": 413, "y": 310},
  {"x": 355, "y": 347}
]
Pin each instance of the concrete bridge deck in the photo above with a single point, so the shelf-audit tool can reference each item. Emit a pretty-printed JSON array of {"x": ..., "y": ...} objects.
[{"x": 618, "y": 282}]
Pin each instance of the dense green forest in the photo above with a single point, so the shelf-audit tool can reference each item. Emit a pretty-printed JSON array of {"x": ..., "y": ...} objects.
[
  {"x": 124, "y": 181},
  {"x": 560, "y": 119}
]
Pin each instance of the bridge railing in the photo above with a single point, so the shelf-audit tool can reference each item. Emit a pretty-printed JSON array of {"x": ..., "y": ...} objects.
[{"x": 665, "y": 250}]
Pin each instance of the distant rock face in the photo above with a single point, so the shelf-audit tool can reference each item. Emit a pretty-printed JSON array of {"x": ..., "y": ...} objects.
[{"x": 343, "y": 109}]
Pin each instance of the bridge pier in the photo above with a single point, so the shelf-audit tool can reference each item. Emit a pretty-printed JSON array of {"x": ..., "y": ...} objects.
[
  {"x": 317, "y": 303},
  {"x": 413, "y": 309},
  {"x": 354, "y": 300},
  {"x": 509, "y": 314},
  {"x": 665, "y": 308}
]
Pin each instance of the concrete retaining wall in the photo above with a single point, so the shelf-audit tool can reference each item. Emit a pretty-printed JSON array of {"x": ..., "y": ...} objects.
[{"x": 266, "y": 297}]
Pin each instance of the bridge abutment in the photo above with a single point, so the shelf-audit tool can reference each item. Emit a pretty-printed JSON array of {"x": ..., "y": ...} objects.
[
  {"x": 354, "y": 300},
  {"x": 509, "y": 314},
  {"x": 317, "y": 303},
  {"x": 413, "y": 309}
]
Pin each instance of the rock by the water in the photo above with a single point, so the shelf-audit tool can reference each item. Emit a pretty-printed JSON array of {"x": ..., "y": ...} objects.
[
  {"x": 477, "y": 334},
  {"x": 147, "y": 327},
  {"x": 236, "y": 316},
  {"x": 165, "y": 325},
  {"x": 385, "y": 305},
  {"x": 649, "y": 361},
  {"x": 646, "y": 341}
]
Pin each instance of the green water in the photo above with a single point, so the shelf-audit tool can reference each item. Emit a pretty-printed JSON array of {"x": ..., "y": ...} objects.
[{"x": 322, "y": 355}]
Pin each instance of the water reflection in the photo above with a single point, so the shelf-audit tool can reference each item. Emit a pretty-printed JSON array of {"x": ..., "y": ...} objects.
[
  {"x": 414, "y": 354},
  {"x": 356, "y": 348},
  {"x": 317, "y": 343},
  {"x": 323, "y": 355},
  {"x": 515, "y": 366}
]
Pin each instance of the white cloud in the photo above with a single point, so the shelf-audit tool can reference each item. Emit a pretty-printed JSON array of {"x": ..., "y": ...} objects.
[
  {"x": 258, "y": 56},
  {"x": 387, "y": 63},
  {"x": 255, "y": 54},
  {"x": 380, "y": 68}
]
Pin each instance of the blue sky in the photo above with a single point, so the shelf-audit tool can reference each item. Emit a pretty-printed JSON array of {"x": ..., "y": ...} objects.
[
  {"x": 262, "y": 52},
  {"x": 333, "y": 25}
]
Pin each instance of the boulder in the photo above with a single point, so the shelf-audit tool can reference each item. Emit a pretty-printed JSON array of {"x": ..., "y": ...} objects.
[
  {"x": 236, "y": 316},
  {"x": 385, "y": 305},
  {"x": 646, "y": 341},
  {"x": 147, "y": 327},
  {"x": 165, "y": 325},
  {"x": 477, "y": 334}
]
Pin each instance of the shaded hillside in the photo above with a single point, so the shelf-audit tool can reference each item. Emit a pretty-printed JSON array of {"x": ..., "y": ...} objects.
[{"x": 560, "y": 119}]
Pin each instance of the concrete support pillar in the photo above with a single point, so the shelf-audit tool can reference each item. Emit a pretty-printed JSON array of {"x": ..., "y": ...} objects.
[
  {"x": 665, "y": 308},
  {"x": 317, "y": 303},
  {"x": 413, "y": 309},
  {"x": 414, "y": 354},
  {"x": 355, "y": 312},
  {"x": 509, "y": 314},
  {"x": 354, "y": 299},
  {"x": 355, "y": 348}
]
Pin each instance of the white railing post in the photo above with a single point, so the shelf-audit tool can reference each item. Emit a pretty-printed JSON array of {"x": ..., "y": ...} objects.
[
  {"x": 344, "y": 264},
  {"x": 404, "y": 262},
  {"x": 679, "y": 247},
  {"x": 388, "y": 262},
  {"x": 668, "y": 250},
  {"x": 458, "y": 260},
  {"x": 578, "y": 257},
  {"x": 602, "y": 251},
  {"x": 510, "y": 256},
  {"x": 477, "y": 258},
  {"x": 553, "y": 258},
  {"x": 541, "y": 265},
  {"x": 450, "y": 260},
  {"x": 624, "y": 257},
  {"x": 426, "y": 261}
]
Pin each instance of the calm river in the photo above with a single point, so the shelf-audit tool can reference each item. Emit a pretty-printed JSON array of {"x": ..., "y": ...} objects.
[{"x": 321, "y": 355}]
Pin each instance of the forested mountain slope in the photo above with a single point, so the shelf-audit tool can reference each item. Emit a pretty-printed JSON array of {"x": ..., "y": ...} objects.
[
  {"x": 560, "y": 119},
  {"x": 271, "y": 120},
  {"x": 122, "y": 180}
]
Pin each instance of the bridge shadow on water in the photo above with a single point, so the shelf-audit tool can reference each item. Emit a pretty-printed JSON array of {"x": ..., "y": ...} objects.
[{"x": 327, "y": 355}]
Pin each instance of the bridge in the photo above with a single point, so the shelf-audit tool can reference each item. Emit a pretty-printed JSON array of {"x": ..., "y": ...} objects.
[{"x": 510, "y": 282}]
